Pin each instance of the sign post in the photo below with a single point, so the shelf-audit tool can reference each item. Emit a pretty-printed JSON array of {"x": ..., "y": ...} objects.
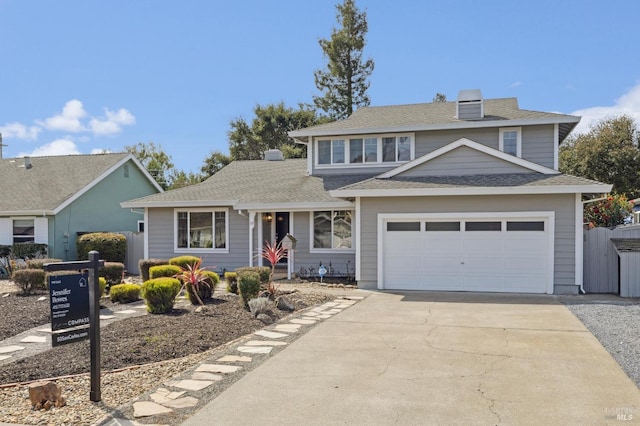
[{"x": 68, "y": 298}]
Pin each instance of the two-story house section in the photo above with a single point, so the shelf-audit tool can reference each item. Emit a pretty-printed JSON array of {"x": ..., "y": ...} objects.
[{"x": 453, "y": 196}]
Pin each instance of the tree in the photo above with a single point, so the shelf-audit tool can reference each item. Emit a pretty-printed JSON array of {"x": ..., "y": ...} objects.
[
  {"x": 440, "y": 97},
  {"x": 268, "y": 130},
  {"x": 155, "y": 160},
  {"x": 214, "y": 162},
  {"x": 345, "y": 82},
  {"x": 612, "y": 211},
  {"x": 609, "y": 152},
  {"x": 180, "y": 179}
]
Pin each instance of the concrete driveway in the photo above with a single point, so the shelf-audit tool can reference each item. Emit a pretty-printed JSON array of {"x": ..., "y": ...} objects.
[{"x": 436, "y": 358}]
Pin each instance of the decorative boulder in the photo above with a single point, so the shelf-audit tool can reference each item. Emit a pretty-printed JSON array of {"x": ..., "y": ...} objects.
[
  {"x": 284, "y": 304},
  {"x": 45, "y": 395},
  {"x": 266, "y": 319}
]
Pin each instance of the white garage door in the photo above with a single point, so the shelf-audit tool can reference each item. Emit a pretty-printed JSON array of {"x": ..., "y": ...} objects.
[{"x": 498, "y": 254}]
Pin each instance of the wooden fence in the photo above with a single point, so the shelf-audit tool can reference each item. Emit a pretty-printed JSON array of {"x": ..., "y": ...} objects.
[
  {"x": 601, "y": 260},
  {"x": 135, "y": 251}
]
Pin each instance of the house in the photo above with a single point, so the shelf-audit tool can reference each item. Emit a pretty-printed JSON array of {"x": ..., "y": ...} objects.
[
  {"x": 459, "y": 196},
  {"x": 53, "y": 200}
]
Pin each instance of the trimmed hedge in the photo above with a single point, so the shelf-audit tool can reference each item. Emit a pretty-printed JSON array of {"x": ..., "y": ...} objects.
[
  {"x": 29, "y": 280},
  {"x": 183, "y": 261},
  {"x": 160, "y": 271},
  {"x": 102, "y": 283},
  {"x": 125, "y": 293},
  {"x": 111, "y": 246},
  {"x": 112, "y": 272},
  {"x": 263, "y": 271},
  {"x": 248, "y": 286},
  {"x": 28, "y": 250},
  {"x": 39, "y": 263},
  {"x": 160, "y": 294},
  {"x": 232, "y": 282},
  {"x": 145, "y": 264}
]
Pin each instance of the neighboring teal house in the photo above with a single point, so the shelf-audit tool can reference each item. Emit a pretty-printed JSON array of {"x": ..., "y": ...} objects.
[{"x": 53, "y": 200}]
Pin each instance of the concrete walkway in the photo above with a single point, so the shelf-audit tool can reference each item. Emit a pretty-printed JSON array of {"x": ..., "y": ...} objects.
[{"x": 435, "y": 358}]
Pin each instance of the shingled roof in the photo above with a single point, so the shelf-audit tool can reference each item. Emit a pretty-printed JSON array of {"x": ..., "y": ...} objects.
[
  {"x": 255, "y": 184},
  {"x": 435, "y": 116},
  {"x": 50, "y": 181}
]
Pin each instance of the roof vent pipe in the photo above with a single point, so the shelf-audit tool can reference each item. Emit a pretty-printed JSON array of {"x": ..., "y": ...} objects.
[{"x": 27, "y": 163}]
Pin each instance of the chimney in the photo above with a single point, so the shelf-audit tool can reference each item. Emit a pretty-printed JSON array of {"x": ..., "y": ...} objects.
[
  {"x": 469, "y": 105},
  {"x": 273, "y": 155},
  {"x": 27, "y": 163}
]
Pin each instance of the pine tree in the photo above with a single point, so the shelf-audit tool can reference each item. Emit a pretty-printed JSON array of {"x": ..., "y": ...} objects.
[{"x": 345, "y": 81}]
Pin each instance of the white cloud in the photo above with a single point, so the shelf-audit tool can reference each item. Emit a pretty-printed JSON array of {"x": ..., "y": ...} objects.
[
  {"x": 516, "y": 84},
  {"x": 57, "y": 147},
  {"x": 628, "y": 104},
  {"x": 112, "y": 123},
  {"x": 100, "y": 151},
  {"x": 69, "y": 120},
  {"x": 19, "y": 131}
]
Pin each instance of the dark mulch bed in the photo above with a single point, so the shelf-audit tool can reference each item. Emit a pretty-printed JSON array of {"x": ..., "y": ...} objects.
[
  {"x": 21, "y": 313},
  {"x": 135, "y": 340}
]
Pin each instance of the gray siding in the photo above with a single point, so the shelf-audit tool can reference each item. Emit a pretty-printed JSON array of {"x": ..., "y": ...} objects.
[
  {"x": 427, "y": 142},
  {"x": 305, "y": 259},
  {"x": 537, "y": 144},
  {"x": 374, "y": 170},
  {"x": 464, "y": 161},
  {"x": 563, "y": 205},
  {"x": 629, "y": 274},
  {"x": 161, "y": 227}
]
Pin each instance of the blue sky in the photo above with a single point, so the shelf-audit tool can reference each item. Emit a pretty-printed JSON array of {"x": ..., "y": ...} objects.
[{"x": 81, "y": 76}]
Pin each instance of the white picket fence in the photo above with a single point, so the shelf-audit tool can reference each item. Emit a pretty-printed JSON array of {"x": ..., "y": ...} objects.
[{"x": 600, "y": 258}]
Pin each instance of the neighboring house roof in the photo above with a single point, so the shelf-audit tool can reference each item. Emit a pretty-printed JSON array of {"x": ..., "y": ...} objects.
[
  {"x": 491, "y": 184},
  {"x": 256, "y": 184},
  {"x": 52, "y": 183},
  {"x": 435, "y": 116}
]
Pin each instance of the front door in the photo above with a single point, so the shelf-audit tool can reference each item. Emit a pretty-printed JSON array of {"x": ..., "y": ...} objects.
[{"x": 281, "y": 228}]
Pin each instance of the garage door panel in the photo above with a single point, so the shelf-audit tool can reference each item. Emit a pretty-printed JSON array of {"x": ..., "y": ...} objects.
[{"x": 474, "y": 260}]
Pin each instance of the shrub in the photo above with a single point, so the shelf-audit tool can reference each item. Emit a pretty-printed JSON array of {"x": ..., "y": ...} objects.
[
  {"x": 102, "y": 284},
  {"x": 183, "y": 261},
  {"x": 160, "y": 294},
  {"x": 232, "y": 282},
  {"x": 248, "y": 285},
  {"x": 29, "y": 280},
  {"x": 124, "y": 293},
  {"x": 145, "y": 264},
  {"x": 199, "y": 282},
  {"x": 260, "y": 305},
  {"x": 39, "y": 263},
  {"x": 160, "y": 271},
  {"x": 263, "y": 272},
  {"x": 111, "y": 246},
  {"x": 28, "y": 250},
  {"x": 112, "y": 272}
]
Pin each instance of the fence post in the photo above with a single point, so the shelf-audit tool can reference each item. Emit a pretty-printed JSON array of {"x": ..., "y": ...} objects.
[{"x": 94, "y": 325}]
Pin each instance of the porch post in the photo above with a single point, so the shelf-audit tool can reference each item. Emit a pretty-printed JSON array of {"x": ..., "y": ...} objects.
[{"x": 252, "y": 222}]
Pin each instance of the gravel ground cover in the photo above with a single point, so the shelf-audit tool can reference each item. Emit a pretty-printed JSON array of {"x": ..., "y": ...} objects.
[
  {"x": 138, "y": 353},
  {"x": 615, "y": 322}
]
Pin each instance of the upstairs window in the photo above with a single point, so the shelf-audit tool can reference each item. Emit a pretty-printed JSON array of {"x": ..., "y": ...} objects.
[
  {"x": 24, "y": 231},
  {"x": 511, "y": 141},
  {"x": 365, "y": 150}
]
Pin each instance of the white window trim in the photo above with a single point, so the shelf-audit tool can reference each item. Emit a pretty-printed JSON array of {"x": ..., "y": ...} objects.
[
  {"x": 312, "y": 249},
  {"x": 347, "y": 150},
  {"x": 518, "y": 131},
  {"x": 140, "y": 222},
  {"x": 177, "y": 249},
  {"x": 35, "y": 232}
]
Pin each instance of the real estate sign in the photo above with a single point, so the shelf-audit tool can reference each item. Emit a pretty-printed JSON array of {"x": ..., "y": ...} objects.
[{"x": 69, "y": 300}]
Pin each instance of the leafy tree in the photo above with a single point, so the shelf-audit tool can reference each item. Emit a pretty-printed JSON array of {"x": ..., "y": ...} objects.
[
  {"x": 612, "y": 211},
  {"x": 345, "y": 82},
  {"x": 268, "y": 130},
  {"x": 180, "y": 179},
  {"x": 155, "y": 160},
  {"x": 214, "y": 162},
  {"x": 440, "y": 97},
  {"x": 609, "y": 152}
]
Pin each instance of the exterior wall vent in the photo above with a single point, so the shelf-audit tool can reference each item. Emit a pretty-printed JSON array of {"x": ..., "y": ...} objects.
[
  {"x": 469, "y": 105},
  {"x": 274, "y": 155}
]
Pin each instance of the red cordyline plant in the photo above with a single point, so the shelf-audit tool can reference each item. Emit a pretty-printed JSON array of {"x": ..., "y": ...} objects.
[
  {"x": 274, "y": 253},
  {"x": 192, "y": 274}
]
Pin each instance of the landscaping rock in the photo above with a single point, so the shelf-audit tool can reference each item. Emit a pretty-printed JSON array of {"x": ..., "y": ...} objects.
[
  {"x": 284, "y": 304},
  {"x": 266, "y": 319},
  {"x": 45, "y": 395}
]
